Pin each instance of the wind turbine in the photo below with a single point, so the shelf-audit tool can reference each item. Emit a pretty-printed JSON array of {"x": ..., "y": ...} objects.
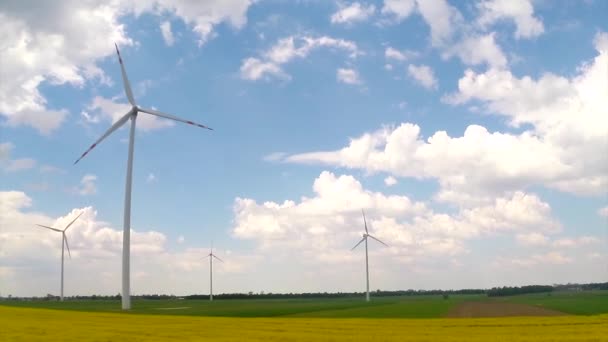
[
  {"x": 365, "y": 236},
  {"x": 126, "y": 233},
  {"x": 211, "y": 256},
  {"x": 64, "y": 243}
]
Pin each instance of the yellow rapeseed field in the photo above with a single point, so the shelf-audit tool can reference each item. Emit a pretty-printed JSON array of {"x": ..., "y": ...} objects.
[{"x": 24, "y": 324}]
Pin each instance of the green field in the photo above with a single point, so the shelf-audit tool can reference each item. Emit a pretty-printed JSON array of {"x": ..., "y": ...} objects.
[
  {"x": 575, "y": 303},
  {"x": 386, "y": 307}
]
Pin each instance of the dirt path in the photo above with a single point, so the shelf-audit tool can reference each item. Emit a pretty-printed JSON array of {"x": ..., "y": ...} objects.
[{"x": 499, "y": 309}]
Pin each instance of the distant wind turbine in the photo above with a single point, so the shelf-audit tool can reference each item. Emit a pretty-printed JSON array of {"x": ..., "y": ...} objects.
[
  {"x": 64, "y": 243},
  {"x": 365, "y": 236},
  {"x": 126, "y": 233},
  {"x": 211, "y": 256}
]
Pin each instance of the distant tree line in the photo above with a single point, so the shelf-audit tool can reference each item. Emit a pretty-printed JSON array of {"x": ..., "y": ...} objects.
[
  {"x": 511, "y": 291},
  {"x": 493, "y": 292}
]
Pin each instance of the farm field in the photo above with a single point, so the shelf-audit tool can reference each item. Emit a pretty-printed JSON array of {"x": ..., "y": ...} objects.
[
  {"x": 384, "y": 307},
  {"x": 577, "y": 303},
  {"x": 27, "y": 324}
]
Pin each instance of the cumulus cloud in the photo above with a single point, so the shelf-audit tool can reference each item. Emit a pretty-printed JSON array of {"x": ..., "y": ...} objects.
[
  {"x": 13, "y": 165},
  {"x": 30, "y": 256},
  {"x": 355, "y": 12},
  {"x": 398, "y": 9},
  {"x": 397, "y": 55},
  {"x": 60, "y": 43},
  {"x": 287, "y": 49},
  {"x": 451, "y": 33},
  {"x": 559, "y": 151},
  {"x": 390, "y": 181},
  {"x": 532, "y": 239},
  {"x": 88, "y": 185},
  {"x": 411, "y": 228},
  {"x": 165, "y": 29},
  {"x": 566, "y": 113},
  {"x": 423, "y": 74},
  {"x": 254, "y": 69},
  {"x": 348, "y": 76},
  {"x": 151, "y": 178},
  {"x": 110, "y": 110},
  {"x": 521, "y": 12},
  {"x": 550, "y": 258}
]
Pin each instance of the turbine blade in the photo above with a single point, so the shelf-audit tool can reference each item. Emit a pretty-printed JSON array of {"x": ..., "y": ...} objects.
[
  {"x": 364, "y": 221},
  {"x": 125, "y": 80},
  {"x": 51, "y": 228},
  {"x": 74, "y": 220},
  {"x": 114, "y": 127},
  {"x": 172, "y": 117},
  {"x": 213, "y": 255},
  {"x": 378, "y": 240},
  {"x": 67, "y": 245},
  {"x": 358, "y": 244}
]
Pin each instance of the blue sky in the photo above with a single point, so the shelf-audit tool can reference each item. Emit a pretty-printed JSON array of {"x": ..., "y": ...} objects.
[{"x": 472, "y": 133}]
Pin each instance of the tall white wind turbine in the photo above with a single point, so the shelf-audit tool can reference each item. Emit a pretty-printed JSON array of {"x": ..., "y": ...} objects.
[
  {"x": 64, "y": 243},
  {"x": 126, "y": 233},
  {"x": 365, "y": 236},
  {"x": 211, "y": 256}
]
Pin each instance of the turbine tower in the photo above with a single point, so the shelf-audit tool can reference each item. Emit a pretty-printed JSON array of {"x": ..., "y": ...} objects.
[
  {"x": 126, "y": 233},
  {"x": 211, "y": 256},
  {"x": 365, "y": 236},
  {"x": 64, "y": 243}
]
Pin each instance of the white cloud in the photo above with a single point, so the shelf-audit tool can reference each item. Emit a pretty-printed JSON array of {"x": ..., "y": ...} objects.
[
  {"x": 13, "y": 165},
  {"x": 355, "y": 12},
  {"x": 550, "y": 258},
  {"x": 30, "y": 256},
  {"x": 566, "y": 114},
  {"x": 275, "y": 156},
  {"x": 478, "y": 49},
  {"x": 5, "y": 150},
  {"x": 532, "y": 239},
  {"x": 181, "y": 239},
  {"x": 575, "y": 242},
  {"x": 348, "y": 76},
  {"x": 451, "y": 33},
  {"x": 20, "y": 164},
  {"x": 108, "y": 110},
  {"x": 399, "y": 9},
  {"x": 477, "y": 163},
  {"x": 443, "y": 20},
  {"x": 559, "y": 151},
  {"x": 151, "y": 178},
  {"x": 392, "y": 53},
  {"x": 60, "y": 43},
  {"x": 520, "y": 11},
  {"x": 287, "y": 49},
  {"x": 423, "y": 74},
  {"x": 411, "y": 228},
  {"x": 254, "y": 69},
  {"x": 390, "y": 181},
  {"x": 88, "y": 186},
  {"x": 165, "y": 29},
  {"x": 603, "y": 212}
]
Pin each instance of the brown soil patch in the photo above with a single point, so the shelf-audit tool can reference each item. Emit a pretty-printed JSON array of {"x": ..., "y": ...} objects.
[{"x": 499, "y": 309}]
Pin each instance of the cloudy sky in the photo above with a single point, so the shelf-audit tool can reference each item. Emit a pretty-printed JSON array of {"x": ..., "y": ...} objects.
[{"x": 474, "y": 134}]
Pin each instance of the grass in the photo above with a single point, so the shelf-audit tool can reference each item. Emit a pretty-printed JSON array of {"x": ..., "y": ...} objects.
[
  {"x": 27, "y": 324},
  {"x": 383, "y": 307},
  {"x": 575, "y": 303}
]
